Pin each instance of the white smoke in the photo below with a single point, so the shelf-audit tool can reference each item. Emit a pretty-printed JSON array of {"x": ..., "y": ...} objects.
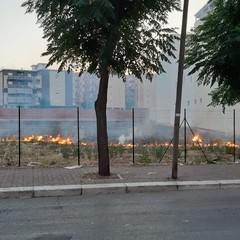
[{"x": 123, "y": 139}]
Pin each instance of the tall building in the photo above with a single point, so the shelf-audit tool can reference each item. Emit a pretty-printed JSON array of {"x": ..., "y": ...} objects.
[
  {"x": 85, "y": 90},
  {"x": 57, "y": 86},
  {"x": 131, "y": 92},
  {"x": 37, "y": 87},
  {"x": 116, "y": 92},
  {"x": 122, "y": 95},
  {"x": 19, "y": 88}
]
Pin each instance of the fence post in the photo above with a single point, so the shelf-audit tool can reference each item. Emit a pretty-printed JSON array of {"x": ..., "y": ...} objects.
[
  {"x": 78, "y": 136},
  {"x": 234, "y": 135},
  {"x": 19, "y": 136},
  {"x": 133, "y": 140},
  {"x": 185, "y": 136}
]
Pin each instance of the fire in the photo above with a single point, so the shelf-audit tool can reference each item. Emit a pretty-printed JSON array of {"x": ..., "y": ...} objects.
[
  {"x": 60, "y": 140},
  {"x": 87, "y": 144},
  {"x": 231, "y": 144},
  {"x": 197, "y": 139},
  {"x": 39, "y": 138}
]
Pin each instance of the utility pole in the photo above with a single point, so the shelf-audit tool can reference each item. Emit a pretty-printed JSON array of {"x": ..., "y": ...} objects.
[{"x": 179, "y": 91}]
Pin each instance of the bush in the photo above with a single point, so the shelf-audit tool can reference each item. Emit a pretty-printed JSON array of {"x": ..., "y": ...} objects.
[
  {"x": 65, "y": 150},
  {"x": 145, "y": 156}
]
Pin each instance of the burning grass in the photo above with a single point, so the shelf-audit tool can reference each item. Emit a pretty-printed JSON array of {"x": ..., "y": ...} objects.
[{"x": 63, "y": 151}]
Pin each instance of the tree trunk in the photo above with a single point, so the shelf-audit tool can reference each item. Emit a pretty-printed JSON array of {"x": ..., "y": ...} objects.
[{"x": 101, "y": 115}]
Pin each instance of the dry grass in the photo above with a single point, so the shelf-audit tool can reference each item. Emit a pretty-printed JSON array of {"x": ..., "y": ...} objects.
[{"x": 54, "y": 154}]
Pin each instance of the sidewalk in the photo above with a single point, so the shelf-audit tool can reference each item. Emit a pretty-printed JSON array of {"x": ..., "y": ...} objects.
[{"x": 39, "y": 181}]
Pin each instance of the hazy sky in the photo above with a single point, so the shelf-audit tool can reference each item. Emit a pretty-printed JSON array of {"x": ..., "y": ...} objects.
[{"x": 21, "y": 42}]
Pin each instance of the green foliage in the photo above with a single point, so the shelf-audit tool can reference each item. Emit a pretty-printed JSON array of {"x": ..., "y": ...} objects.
[
  {"x": 65, "y": 150},
  {"x": 8, "y": 151},
  {"x": 112, "y": 150},
  {"x": 116, "y": 150},
  {"x": 127, "y": 36},
  {"x": 75, "y": 150},
  {"x": 54, "y": 147},
  {"x": 120, "y": 150},
  {"x": 145, "y": 156},
  {"x": 139, "y": 148},
  {"x": 214, "y": 52},
  {"x": 95, "y": 152},
  {"x": 229, "y": 149},
  {"x": 158, "y": 152},
  {"x": 88, "y": 151}
]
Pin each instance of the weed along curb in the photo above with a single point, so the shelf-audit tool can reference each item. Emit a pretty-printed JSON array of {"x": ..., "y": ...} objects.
[{"x": 112, "y": 188}]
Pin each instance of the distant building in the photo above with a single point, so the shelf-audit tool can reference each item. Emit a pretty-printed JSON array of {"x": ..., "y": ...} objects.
[
  {"x": 49, "y": 88},
  {"x": 203, "y": 12},
  {"x": 116, "y": 93},
  {"x": 19, "y": 88},
  {"x": 121, "y": 95},
  {"x": 37, "y": 87},
  {"x": 131, "y": 92},
  {"x": 85, "y": 90},
  {"x": 57, "y": 87}
]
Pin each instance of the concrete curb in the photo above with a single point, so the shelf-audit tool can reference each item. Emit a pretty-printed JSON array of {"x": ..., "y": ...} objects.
[{"x": 95, "y": 189}]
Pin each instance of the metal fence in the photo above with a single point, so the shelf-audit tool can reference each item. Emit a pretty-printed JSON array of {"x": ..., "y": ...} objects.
[{"x": 67, "y": 136}]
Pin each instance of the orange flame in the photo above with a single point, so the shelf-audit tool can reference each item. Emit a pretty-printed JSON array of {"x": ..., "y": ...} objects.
[
  {"x": 231, "y": 144},
  {"x": 39, "y": 138},
  {"x": 197, "y": 139}
]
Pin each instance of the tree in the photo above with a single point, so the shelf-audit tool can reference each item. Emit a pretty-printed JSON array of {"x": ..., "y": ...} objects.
[
  {"x": 213, "y": 50},
  {"x": 106, "y": 37}
]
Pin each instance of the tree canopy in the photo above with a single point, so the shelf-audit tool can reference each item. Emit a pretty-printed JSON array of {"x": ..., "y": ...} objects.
[
  {"x": 213, "y": 51},
  {"x": 106, "y": 37},
  {"x": 128, "y": 35}
]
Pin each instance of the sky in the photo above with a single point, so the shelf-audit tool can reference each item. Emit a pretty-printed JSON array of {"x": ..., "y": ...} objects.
[{"x": 21, "y": 42}]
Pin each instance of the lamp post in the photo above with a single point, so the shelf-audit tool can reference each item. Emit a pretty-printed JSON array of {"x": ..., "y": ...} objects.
[{"x": 179, "y": 91}]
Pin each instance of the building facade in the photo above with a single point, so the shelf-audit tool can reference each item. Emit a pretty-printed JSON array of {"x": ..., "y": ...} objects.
[
  {"x": 37, "y": 87},
  {"x": 19, "y": 88},
  {"x": 49, "y": 88},
  {"x": 203, "y": 12}
]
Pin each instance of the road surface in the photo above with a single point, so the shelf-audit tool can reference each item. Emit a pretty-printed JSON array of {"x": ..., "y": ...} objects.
[{"x": 183, "y": 215}]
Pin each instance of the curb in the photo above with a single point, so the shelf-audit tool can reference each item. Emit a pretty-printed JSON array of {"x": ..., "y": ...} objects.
[{"x": 96, "y": 189}]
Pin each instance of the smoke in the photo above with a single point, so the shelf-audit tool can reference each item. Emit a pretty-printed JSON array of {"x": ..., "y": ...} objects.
[
  {"x": 144, "y": 131},
  {"x": 123, "y": 139}
]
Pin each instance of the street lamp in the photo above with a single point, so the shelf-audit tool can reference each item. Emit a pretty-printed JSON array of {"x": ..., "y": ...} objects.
[{"x": 179, "y": 91}]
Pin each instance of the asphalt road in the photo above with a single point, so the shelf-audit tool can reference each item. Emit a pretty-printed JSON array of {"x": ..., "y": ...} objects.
[{"x": 177, "y": 215}]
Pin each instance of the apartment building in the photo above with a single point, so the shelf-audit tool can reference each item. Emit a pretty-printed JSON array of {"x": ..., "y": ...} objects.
[
  {"x": 19, "y": 88},
  {"x": 121, "y": 95},
  {"x": 85, "y": 90},
  {"x": 49, "y": 88},
  {"x": 37, "y": 87}
]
